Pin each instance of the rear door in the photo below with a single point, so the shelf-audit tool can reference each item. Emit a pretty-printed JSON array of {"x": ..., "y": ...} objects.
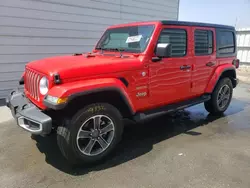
[{"x": 204, "y": 58}]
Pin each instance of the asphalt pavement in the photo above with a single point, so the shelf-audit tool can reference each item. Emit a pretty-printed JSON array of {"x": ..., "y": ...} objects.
[{"x": 190, "y": 148}]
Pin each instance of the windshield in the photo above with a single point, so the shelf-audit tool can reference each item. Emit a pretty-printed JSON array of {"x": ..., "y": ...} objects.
[{"x": 130, "y": 39}]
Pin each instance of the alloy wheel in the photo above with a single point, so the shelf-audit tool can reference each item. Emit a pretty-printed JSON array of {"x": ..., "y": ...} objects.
[
  {"x": 223, "y": 96},
  {"x": 95, "y": 135}
]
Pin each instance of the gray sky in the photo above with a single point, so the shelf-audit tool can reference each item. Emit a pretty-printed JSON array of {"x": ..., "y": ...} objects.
[{"x": 216, "y": 11}]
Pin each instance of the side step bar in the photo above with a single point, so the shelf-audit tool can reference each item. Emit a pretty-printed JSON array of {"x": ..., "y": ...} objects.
[{"x": 170, "y": 108}]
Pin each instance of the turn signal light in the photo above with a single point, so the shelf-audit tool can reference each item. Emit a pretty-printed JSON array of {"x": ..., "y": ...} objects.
[
  {"x": 56, "y": 100},
  {"x": 62, "y": 100}
]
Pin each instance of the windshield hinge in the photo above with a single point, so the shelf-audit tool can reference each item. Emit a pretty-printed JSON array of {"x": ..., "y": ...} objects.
[
  {"x": 89, "y": 55},
  {"x": 57, "y": 79}
]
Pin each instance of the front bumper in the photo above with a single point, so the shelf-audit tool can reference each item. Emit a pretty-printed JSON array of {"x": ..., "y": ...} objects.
[{"x": 27, "y": 115}]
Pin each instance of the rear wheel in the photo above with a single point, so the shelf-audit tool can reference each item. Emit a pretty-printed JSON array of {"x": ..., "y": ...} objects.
[
  {"x": 91, "y": 134},
  {"x": 221, "y": 97}
]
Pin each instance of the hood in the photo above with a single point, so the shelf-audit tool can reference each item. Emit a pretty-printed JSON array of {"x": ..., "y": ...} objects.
[{"x": 82, "y": 66}]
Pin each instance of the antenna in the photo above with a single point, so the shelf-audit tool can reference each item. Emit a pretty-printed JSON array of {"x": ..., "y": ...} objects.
[{"x": 236, "y": 20}]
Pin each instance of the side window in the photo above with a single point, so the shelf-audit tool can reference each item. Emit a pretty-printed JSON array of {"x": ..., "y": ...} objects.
[
  {"x": 226, "y": 42},
  {"x": 178, "y": 39},
  {"x": 203, "y": 40}
]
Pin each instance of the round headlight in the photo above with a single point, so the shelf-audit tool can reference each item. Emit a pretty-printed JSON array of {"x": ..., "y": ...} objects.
[{"x": 44, "y": 86}]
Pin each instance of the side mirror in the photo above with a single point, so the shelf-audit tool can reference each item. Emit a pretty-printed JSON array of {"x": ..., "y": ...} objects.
[{"x": 163, "y": 50}]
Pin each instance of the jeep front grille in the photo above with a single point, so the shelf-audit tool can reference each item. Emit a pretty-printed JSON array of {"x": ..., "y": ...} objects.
[{"x": 32, "y": 83}]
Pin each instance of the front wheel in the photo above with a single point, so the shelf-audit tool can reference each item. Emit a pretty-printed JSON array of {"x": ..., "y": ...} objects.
[
  {"x": 221, "y": 97},
  {"x": 91, "y": 134}
]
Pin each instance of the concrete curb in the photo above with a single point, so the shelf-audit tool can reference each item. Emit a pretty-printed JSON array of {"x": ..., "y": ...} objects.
[
  {"x": 5, "y": 114},
  {"x": 244, "y": 74},
  {"x": 244, "y": 78}
]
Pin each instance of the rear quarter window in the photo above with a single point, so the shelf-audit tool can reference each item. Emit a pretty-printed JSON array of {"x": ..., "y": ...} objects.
[{"x": 226, "y": 44}]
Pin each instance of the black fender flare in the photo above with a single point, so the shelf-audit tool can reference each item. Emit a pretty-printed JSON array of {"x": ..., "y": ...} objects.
[{"x": 88, "y": 92}]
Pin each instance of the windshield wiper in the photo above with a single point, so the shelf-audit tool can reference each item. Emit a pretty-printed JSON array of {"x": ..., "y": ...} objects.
[
  {"x": 112, "y": 49},
  {"x": 116, "y": 49}
]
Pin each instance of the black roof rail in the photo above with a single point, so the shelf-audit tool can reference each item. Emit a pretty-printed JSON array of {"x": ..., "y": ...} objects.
[{"x": 184, "y": 23}]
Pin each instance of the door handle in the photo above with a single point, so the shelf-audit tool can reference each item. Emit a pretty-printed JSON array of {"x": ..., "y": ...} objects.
[
  {"x": 185, "y": 67},
  {"x": 210, "y": 64}
]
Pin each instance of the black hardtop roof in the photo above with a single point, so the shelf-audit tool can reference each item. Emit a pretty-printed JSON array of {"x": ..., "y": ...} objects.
[{"x": 171, "y": 22}]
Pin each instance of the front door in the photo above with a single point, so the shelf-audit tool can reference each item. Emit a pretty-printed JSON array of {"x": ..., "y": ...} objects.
[
  {"x": 170, "y": 78},
  {"x": 204, "y": 58}
]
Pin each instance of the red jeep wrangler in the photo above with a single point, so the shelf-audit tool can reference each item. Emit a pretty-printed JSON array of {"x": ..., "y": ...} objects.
[{"x": 135, "y": 71}]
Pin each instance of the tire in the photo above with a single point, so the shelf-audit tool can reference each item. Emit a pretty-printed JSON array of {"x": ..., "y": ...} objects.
[
  {"x": 214, "y": 105},
  {"x": 76, "y": 149}
]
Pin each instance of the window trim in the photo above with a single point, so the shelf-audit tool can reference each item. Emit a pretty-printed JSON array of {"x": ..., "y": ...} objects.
[
  {"x": 223, "y": 55},
  {"x": 177, "y": 28},
  {"x": 213, "y": 37}
]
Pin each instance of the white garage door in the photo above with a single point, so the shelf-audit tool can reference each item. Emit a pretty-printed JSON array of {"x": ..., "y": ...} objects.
[{"x": 33, "y": 29}]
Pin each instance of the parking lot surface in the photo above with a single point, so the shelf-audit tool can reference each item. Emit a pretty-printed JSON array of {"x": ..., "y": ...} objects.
[{"x": 190, "y": 148}]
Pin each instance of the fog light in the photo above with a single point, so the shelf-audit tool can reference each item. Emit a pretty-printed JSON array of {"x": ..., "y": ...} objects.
[{"x": 52, "y": 99}]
